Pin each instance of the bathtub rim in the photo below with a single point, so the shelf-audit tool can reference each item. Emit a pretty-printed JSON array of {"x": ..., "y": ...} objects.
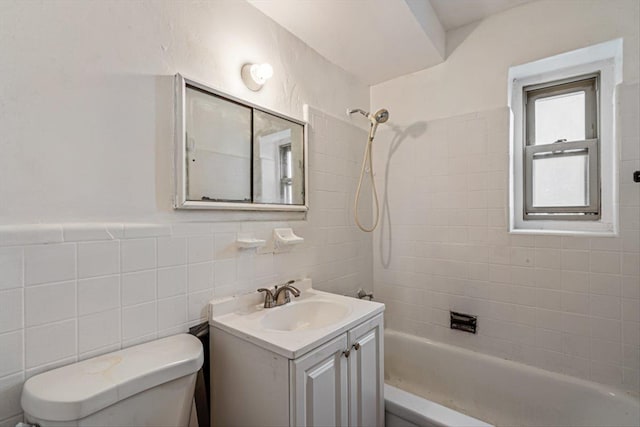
[{"x": 402, "y": 404}]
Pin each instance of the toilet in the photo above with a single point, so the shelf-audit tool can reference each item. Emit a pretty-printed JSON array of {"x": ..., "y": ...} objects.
[{"x": 150, "y": 384}]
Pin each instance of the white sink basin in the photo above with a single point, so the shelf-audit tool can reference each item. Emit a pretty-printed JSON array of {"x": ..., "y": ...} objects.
[
  {"x": 295, "y": 328},
  {"x": 301, "y": 315}
]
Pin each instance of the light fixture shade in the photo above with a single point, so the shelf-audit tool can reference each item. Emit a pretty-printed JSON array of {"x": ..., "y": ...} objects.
[{"x": 255, "y": 76}]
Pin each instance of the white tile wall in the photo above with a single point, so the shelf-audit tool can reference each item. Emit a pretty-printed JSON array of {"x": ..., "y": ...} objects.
[
  {"x": 172, "y": 312},
  {"x": 11, "y": 387},
  {"x": 11, "y": 306},
  {"x": 96, "y": 331},
  {"x": 50, "y": 303},
  {"x": 49, "y": 343},
  {"x": 12, "y": 353},
  {"x": 200, "y": 249},
  {"x": 98, "y": 294},
  {"x": 138, "y": 254},
  {"x": 49, "y": 263},
  {"x": 138, "y": 287},
  {"x": 98, "y": 287},
  {"x": 11, "y": 266},
  {"x": 200, "y": 276},
  {"x": 138, "y": 321},
  {"x": 568, "y": 304},
  {"x": 172, "y": 281},
  {"x": 172, "y": 251}
]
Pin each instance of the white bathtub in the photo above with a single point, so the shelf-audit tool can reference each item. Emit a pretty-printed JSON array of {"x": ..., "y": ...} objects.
[{"x": 494, "y": 390}]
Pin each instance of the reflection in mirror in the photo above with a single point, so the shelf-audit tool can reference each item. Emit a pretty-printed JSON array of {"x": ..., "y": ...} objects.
[
  {"x": 233, "y": 155},
  {"x": 218, "y": 148},
  {"x": 278, "y": 162}
]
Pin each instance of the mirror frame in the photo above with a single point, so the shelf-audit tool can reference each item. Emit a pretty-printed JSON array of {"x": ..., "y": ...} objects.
[{"x": 180, "y": 200}]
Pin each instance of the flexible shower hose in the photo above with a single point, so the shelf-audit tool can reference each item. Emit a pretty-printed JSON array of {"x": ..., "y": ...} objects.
[{"x": 367, "y": 157}]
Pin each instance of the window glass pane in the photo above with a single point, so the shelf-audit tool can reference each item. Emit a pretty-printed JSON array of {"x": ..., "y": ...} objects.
[
  {"x": 286, "y": 173},
  {"x": 560, "y": 180},
  {"x": 560, "y": 117},
  {"x": 273, "y": 138}
]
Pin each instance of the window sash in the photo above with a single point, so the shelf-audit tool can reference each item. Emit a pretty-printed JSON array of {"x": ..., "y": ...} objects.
[
  {"x": 564, "y": 212},
  {"x": 587, "y": 83}
]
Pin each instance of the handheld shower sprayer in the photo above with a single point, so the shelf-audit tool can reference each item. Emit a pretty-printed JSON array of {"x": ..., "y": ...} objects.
[{"x": 380, "y": 116}]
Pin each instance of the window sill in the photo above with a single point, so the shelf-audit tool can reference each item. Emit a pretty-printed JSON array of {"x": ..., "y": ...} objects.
[{"x": 564, "y": 232}]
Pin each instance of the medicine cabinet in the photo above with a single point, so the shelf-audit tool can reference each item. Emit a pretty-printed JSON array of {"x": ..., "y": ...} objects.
[{"x": 234, "y": 155}]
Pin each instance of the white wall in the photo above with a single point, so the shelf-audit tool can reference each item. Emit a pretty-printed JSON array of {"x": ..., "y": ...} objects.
[
  {"x": 562, "y": 303},
  {"x": 474, "y": 76},
  {"x": 88, "y": 289},
  {"x": 87, "y": 135},
  {"x": 86, "y": 111}
]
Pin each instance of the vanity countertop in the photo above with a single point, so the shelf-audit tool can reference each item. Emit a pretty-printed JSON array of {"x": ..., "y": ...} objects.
[{"x": 293, "y": 329}]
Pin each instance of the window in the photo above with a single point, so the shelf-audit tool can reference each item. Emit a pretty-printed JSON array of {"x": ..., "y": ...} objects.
[
  {"x": 286, "y": 173},
  {"x": 561, "y": 161}
]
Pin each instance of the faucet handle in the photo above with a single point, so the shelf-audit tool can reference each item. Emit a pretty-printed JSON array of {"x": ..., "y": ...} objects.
[{"x": 269, "y": 301}]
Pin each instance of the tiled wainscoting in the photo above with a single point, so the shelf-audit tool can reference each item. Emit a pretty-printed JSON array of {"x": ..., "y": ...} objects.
[
  {"x": 566, "y": 304},
  {"x": 72, "y": 291}
]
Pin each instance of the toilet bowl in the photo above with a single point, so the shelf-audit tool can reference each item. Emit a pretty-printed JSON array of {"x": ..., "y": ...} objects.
[{"x": 147, "y": 385}]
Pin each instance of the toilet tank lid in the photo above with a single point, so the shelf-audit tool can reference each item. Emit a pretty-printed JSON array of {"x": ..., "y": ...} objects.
[{"x": 75, "y": 391}]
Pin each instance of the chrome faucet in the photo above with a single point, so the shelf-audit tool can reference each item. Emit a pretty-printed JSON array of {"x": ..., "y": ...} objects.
[{"x": 280, "y": 295}]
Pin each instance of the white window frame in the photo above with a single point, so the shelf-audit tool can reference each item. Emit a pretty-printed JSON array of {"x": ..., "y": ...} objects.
[{"x": 605, "y": 59}]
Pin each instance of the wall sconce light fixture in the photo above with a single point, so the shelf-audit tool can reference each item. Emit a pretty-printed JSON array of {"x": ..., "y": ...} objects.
[{"x": 255, "y": 76}]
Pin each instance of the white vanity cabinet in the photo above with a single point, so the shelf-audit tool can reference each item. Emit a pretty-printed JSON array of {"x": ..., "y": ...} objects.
[
  {"x": 320, "y": 386},
  {"x": 341, "y": 383},
  {"x": 336, "y": 381},
  {"x": 366, "y": 374},
  {"x": 315, "y": 361}
]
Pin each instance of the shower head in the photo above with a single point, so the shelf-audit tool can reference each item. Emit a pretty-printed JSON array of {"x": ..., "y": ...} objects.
[{"x": 380, "y": 116}]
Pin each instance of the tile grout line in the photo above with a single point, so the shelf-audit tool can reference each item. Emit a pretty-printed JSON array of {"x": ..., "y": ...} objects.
[
  {"x": 24, "y": 314},
  {"x": 77, "y": 316},
  {"x": 155, "y": 275},
  {"x": 121, "y": 329},
  {"x": 155, "y": 289}
]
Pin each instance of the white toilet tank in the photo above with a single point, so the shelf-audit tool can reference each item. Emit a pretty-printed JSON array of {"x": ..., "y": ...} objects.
[{"x": 147, "y": 385}]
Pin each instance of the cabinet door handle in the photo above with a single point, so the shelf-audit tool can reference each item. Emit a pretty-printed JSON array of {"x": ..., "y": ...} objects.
[
  {"x": 346, "y": 353},
  {"x": 356, "y": 346}
]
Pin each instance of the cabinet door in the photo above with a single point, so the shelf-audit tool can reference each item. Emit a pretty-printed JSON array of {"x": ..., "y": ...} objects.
[
  {"x": 319, "y": 386},
  {"x": 366, "y": 374}
]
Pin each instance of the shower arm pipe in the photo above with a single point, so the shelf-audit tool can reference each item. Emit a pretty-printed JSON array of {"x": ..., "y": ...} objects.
[{"x": 358, "y": 110}]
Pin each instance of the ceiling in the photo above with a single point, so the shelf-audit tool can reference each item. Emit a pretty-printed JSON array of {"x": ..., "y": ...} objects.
[
  {"x": 457, "y": 13},
  {"x": 378, "y": 40}
]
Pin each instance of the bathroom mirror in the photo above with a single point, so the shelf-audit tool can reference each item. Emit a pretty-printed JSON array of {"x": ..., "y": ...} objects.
[{"x": 231, "y": 154}]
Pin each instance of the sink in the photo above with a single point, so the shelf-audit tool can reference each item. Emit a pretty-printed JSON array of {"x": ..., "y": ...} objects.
[
  {"x": 303, "y": 315},
  {"x": 295, "y": 328}
]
